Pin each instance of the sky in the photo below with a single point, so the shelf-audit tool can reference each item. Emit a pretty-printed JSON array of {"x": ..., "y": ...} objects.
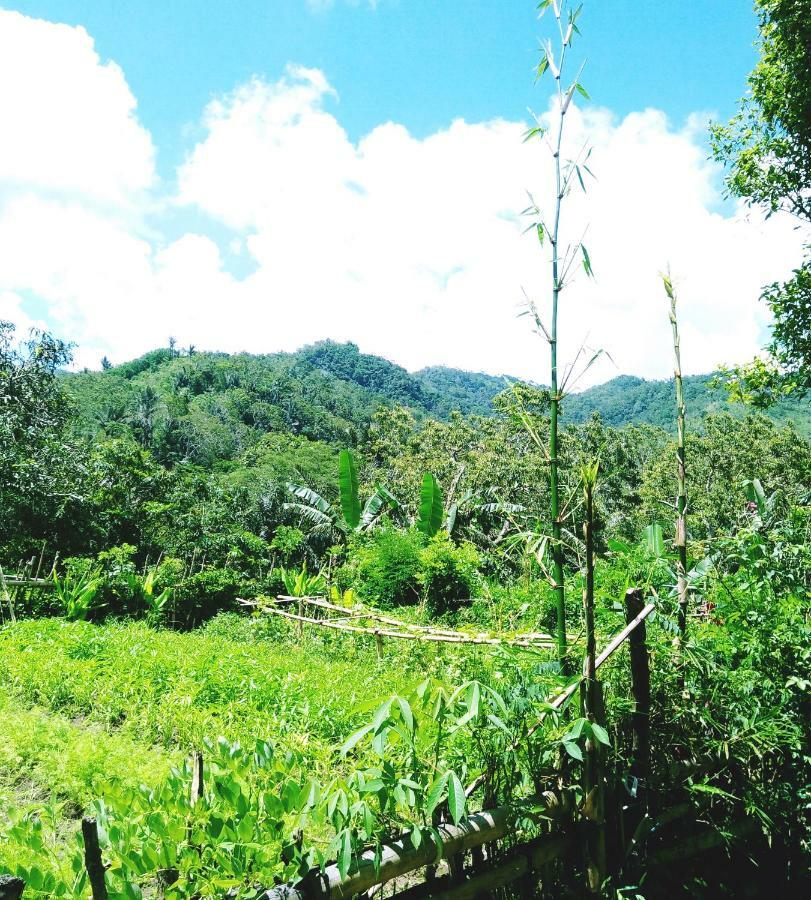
[{"x": 263, "y": 174}]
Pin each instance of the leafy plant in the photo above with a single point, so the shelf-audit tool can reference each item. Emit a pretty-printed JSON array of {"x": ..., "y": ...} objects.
[{"x": 76, "y": 594}]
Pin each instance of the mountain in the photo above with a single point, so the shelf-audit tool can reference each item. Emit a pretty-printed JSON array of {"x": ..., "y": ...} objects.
[{"x": 210, "y": 407}]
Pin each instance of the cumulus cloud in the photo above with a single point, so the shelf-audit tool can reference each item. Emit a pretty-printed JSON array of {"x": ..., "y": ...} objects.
[
  {"x": 68, "y": 119},
  {"x": 412, "y": 247}
]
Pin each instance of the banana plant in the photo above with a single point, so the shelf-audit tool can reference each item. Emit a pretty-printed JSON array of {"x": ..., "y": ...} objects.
[
  {"x": 349, "y": 516},
  {"x": 431, "y": 511}
]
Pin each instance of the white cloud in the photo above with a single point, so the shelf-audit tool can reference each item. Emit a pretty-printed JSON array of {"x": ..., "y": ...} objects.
[
  {"x": 410, "y": 247},
  {"x": 68, "y": 120}
]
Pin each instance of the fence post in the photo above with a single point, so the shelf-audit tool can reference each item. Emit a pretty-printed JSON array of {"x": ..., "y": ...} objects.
[
  {"x": 640, "y": 686},
  {"x": 11, "y": 887},
  {"x": 196, "y": 791},
  {"x": 92, "y": 858}
]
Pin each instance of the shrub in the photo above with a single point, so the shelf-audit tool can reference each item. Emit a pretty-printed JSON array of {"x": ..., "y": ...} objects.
[
  {"x": 385, "y": 569},
  {"x": 206, "y": 593},
  {"x": 448, "y": 573}
]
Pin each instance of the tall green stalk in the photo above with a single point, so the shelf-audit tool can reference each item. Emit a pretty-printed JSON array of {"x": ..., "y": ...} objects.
[
  {"x": 566, "y": 22},
  {"x": 559, "y": 587},
  {"x": 680, "y": 541}
]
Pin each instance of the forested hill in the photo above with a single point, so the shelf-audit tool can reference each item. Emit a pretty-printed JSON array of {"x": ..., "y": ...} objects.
[{"x": 215, "y": 402}]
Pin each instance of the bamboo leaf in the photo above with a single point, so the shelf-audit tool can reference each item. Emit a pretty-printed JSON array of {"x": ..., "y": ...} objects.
[{"x": 600, "y": 734}]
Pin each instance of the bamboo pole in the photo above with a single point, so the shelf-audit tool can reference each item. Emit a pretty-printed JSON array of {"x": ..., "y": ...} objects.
[
  {"x": 399, "y": 858},
  {"x": 680, "y": 541},
  {"x": 447, "y": 638},
  {"x": 557, "y": 701},
  {"x": 526, "y": 860},
  {"x": 388, "y": 620},
  {"x": 640, "y": 687}
]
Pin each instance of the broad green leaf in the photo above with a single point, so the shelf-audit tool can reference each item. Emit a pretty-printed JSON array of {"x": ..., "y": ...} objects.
[
  {"x": 573, "y": 750},
  {"x": 654, "y": 540},
  {"x": 348, "y": 484},
  {"x": 431, "y": 513},
  {"x": 600, "y": 734},
  {"x": 456, "y": 798},
  {"x": 435, "y": 794}
]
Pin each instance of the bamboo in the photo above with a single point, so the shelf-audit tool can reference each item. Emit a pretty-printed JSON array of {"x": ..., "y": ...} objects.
[
  {"x": 557, "y": 701},
  {"x": 640, "y": 686},
  {"x": 593, "y": 788},
  {"x": 680, "y": 541},
  {"x": 457, "y": 638},
  {"x": 554, "y": 478},
  {"x": 399, "y": 858},
  {"x": 520, "y": 863}
]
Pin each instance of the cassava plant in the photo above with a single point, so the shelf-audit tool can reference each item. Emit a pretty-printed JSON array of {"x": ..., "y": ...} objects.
[{"x": 554, "y": 59}]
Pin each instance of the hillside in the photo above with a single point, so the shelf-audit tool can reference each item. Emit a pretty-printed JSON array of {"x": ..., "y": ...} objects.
[{"x": 210, "y": 407}]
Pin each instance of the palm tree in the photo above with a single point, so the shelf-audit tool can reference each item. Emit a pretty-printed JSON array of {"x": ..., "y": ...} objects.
[{"x": 143, "y": 418}]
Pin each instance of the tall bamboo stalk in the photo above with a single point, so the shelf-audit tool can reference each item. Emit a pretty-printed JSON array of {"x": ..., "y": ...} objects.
[
  {"x": 593, "y": 788},
  {"x": 559, "y": 586},
  {"x": 680, "y": 541},
  {"x": 561, "y": 264}
]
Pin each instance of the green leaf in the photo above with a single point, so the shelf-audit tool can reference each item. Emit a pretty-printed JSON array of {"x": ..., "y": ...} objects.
[
  {"x": 456, "y": 798},
  {"x": 345, "y": 853},
  {"x": 353, "y": 739},
  {"x": 348, "y": 484},
  {"x": 408, "y": 716},
  {"x": 431, "y": 512},
  {"x": 586, "y": 261},
  {"x": 582, "y": 91},
  {"x": 654, "y": 540},
  {"x": 600, "y": 734},
  {"x": 435, "y": 794},
  {"x": 573, "y": 750}
]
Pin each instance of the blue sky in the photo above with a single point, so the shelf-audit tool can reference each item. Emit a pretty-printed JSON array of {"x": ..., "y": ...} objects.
[
  {"x": 419, "y": 62},
  {"x": 259, "y": 175}
]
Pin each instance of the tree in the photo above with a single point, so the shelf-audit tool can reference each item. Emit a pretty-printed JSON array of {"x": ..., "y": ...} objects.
[
  {"x": 767, "y": 149},
  {"x": 147, "y": 404},
  {"x": 39, "y": 466},
  {"x": 106, "y": 364}
]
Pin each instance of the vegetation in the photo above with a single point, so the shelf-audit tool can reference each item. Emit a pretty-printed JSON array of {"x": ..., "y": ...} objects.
[
  {"x": 166, "y": 521},
  {"x": 766, "y": 149}
]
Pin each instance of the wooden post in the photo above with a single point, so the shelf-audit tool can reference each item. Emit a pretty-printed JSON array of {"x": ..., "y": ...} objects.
[
  {"x": 11, "y": 887},
  {"x": 92, "y": 858},
  {"x": 640, "y": 686},
  {"x": 379, "y": 645},
  {"x": 196, "y": 791}
]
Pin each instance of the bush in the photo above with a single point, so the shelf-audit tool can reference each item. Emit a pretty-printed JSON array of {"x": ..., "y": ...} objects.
[
  {"x": 386, "y": 569},
  {"x": 448, "y": 573},
  {"x": 209, "y": 592}
]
